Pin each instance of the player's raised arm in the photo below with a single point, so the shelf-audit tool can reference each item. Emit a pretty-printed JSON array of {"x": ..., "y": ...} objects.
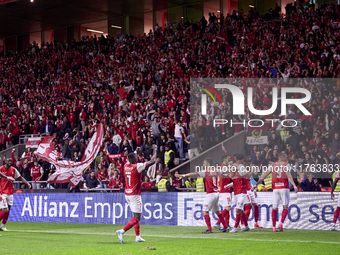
[
  {"x": 142, "y": 166},
  {"x": 188, "y": 175},
  {"x": 333, "y": 187},
  {"x": 154, "y": 156}
]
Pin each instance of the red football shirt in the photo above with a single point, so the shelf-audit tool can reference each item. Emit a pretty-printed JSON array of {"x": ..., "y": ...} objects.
[
  {"x": 210, "y": 180},
  {"x": 6, "y": 187},
  {"x": 223, "y": 182},
  {"x": 247, "y": 183},
  {"x": 279, "y": 176},
  {"x": 133, "y": 176},
  {"x": 239, "y": 180},
  {"x": 148, "y": 185},
  {"x": 36, "y": 172}
]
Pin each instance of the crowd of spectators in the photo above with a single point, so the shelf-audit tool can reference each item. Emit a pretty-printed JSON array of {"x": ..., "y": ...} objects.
[{"x": 139, "y": 89}]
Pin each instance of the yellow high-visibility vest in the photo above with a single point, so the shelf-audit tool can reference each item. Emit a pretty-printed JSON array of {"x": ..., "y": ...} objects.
[
  {"x": 337, "y": 188},
  {"x": 167, "y": 156},
  {"x": 200, "y": 185},
  {"x": 162, "y": 185},
  {"x": 284, "y": 135},
  {"x": 268, "y": 182},
  {"x": 187, "y": 183}
]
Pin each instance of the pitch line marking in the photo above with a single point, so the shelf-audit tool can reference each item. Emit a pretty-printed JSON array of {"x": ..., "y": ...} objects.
[{"x": 184, "y": 237}]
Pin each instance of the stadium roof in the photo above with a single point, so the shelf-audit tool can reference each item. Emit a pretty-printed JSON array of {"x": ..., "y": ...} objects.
[{"x": 22, "y": 16}]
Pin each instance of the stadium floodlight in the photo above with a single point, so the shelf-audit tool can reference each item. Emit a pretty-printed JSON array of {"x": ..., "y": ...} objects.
[{"x": 95, "y": 31}]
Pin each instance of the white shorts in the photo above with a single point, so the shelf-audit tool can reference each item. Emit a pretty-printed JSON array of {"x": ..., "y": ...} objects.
[
  {"x": 240, "y": 200},
  {"x": 250, "y": 198},
  {"x": 211, "y": 202},
  {"x": 225, "y": 199},
  {"x": 281, "y": 195},
  {"x": 135, "y": 203},
  {"x": 7, "y": 200},
  {"x": 338, "y": 205}
]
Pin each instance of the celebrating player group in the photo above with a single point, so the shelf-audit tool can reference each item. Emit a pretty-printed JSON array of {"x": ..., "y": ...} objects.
[{"x": 238, "y": 178}]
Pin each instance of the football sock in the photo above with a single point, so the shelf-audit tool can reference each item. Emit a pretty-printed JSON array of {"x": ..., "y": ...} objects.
[
  {"x": 130, "y": 224},
  {"x": 256, "y": 213},
  {"x": 137, "y": 228},
  {"x": 226, "y": 218},
  {"x": 221, "y": 218},
  {"x": 223, "y": 213},
  {"x": 237, "y": 220},
  {"x": 207, "y": 221},
  {"x": 2, "y": 215},
  {"x": 4, "y": 220},
  {"x": 284, "y": 215},
  {"x": 247, "y": 211},
  {"x": 336, "y": 215},
  {"x": 274, "y": 214},
  {"x": 244, "y": 219}
]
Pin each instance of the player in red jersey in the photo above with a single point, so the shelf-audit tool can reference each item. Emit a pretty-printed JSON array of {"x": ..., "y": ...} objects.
[
  {"x": 281, "y": 192},
  {"x": 337, "y": 211},
  {"x": 6, "y": 190},
  {"x": 251, "y": 199},
  {"x": 240, "y": 191},
  {"x": 133, "y": 187},
  {"x": 225, "y": 193},
  {"x": 210, "y": 175},
  {"x": 1, "y": 199}
]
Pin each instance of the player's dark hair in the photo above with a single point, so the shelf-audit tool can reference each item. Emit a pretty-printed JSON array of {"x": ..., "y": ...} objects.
[
  {"x": 239, "y": 156},
  {"x": 131, "y": 157},
  {"x": 224, "y": 157}
]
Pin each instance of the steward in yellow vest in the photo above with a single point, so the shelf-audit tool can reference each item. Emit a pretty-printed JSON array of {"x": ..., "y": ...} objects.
[
  {"x": 169, "y": 157},
  {"x": 268, "y": 182},
  {"x": 199, "y": 184},
  {"x": 190, "y": 183},
  {"x": 163, "y": 184},
  {"x": 337, "y": 188}
]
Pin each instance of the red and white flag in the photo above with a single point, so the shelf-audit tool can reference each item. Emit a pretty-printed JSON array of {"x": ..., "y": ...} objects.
[
  {"x": 69, "y": 171},
  {"x": 112, "y": 157},
  {"x": 33, "y": 142}
]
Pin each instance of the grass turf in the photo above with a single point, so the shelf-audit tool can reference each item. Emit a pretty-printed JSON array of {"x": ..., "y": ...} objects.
[{"x": 62, "y": 238}]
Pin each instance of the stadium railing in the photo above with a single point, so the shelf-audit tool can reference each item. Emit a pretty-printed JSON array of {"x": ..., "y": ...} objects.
[
  {"x": 24, "y": 138},
  {"x": 19, "y": 150}
]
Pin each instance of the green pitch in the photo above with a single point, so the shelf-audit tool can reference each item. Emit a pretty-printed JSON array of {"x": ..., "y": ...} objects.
[{"x": 83, "y": 239}]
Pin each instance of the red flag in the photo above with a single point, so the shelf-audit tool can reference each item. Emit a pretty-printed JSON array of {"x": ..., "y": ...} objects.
[
  {"x": 48, "y": 139},
  {"x": 122, "y": 93},
  {"x": 69, "y": 171}
]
